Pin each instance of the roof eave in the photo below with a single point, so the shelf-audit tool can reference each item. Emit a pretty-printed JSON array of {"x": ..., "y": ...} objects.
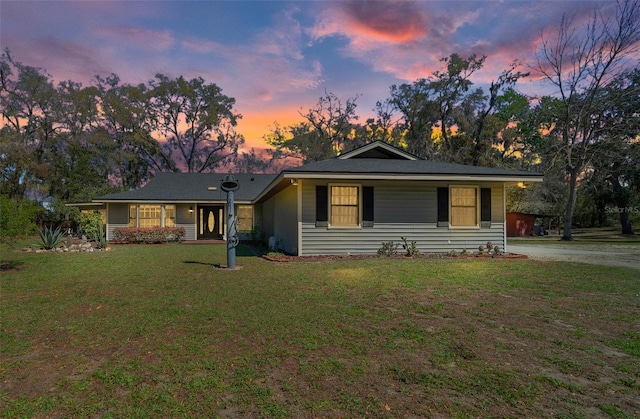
[
  {"x": 414, "y": 176},
  {"x": 170, "y": 201}
]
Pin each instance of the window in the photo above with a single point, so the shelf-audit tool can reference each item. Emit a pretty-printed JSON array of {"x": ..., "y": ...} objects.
[
  {"x": 149, "y": 216},
  {"x": 245, "y": 217},
  {"x": 462, "y": 212},
  {"x": 345, "y": 208},
  {"x": 464, "y": 206},
  {"x": 152, "y": 215}
]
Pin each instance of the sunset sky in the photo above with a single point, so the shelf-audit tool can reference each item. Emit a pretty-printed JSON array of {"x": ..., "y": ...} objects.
[{"x": 278, "y": 57}]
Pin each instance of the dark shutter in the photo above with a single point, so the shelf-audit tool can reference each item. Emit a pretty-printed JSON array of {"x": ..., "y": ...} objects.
[
  {"x": 367, "y": 203},
  {"x": 485, "y": 204},
  {"x": 443, "y": 204},
  {"x": 322, "y": 204}
]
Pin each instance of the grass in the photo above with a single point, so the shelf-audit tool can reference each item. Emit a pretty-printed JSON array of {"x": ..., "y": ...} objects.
[{"x": 158, "y": 331}]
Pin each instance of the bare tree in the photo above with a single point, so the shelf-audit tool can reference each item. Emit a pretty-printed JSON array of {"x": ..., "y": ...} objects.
[{"x": 580, "y": 61}]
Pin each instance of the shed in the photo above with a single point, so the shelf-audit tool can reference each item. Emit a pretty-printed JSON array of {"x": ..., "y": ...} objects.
[{"x": 520, "y": 224}]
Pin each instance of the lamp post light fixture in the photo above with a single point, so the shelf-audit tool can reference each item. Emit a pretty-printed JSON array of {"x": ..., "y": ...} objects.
[{"x": 230, "y": 185}]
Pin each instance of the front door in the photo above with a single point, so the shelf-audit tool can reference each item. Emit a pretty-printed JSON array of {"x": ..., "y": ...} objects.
[{"x": 210, "y": 222}]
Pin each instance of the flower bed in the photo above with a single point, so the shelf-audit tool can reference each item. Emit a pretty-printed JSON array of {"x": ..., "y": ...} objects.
[{"x": 280, "y": 257}]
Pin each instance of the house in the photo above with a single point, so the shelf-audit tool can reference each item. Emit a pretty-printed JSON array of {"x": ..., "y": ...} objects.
[{"x": 349, "y": 204}]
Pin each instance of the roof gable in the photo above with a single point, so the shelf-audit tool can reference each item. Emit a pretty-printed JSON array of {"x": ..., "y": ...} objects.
[{"x": 378, "y": 150}]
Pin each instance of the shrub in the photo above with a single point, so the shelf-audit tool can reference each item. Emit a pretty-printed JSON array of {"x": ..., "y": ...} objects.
[
  {"x": 90, "y": 224},
  {"x": 100, "y": 238},
  {"x": 410, "y": 249},
  {"x": 16, "y": 219},
  {"x": 148, "y": 235},
  {"x": 50, "y": 238},
  {"x": 256, "y": 233},
  {"x": 388, "y": 249}
]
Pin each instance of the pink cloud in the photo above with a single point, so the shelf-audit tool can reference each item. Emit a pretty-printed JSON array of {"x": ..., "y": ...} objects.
[
  {"x": 404, "y": 39},
  {"x": 395, "y": 22}
]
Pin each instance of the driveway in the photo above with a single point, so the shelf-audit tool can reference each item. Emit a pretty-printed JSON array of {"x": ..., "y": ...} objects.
[{"x": 597, "y": 254}]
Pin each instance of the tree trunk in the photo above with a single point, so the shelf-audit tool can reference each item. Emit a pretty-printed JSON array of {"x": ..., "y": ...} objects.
[
  {"x": 622, "y": 202},
  {"x": 571, "y": 204},
  {"x": 624, "y": 221}
]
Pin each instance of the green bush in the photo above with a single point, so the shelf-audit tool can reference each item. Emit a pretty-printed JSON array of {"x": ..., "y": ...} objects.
[
  {"x": 16, "y": 219},
  {"x": 388, "y": 249},
  {"x": 90, "y": 224},
  {"x": 148, "y": 235},
  {"x": 410, "y": 249}
]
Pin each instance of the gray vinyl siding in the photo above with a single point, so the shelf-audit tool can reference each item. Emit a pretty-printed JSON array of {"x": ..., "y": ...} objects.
[
  {"x": 189, "y": 231},
  {"x": 183, "y": 216},
  {"x": 187, "y": 220},
  {"x": 428, "y": 237},
  {"x": 257, "y": 216},
  {"x": 268, "y": 219},
  {"x": 111, "y": 227},
  {"x": 280, "y": 219},
  {"x": 401, "y": 209}
]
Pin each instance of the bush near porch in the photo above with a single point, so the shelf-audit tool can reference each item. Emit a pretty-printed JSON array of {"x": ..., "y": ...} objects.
[{"x": 147, "y": 235}]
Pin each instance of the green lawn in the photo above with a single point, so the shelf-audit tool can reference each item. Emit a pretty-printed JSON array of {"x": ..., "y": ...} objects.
[
  {"x": 584, "y": 236},
  {"x": 157, "y": 331}
]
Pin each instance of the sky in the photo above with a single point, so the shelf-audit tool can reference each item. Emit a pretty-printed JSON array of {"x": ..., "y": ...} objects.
[{"x": 276, "y": 58}]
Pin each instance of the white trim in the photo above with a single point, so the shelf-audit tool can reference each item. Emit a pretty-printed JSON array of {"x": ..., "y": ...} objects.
[
  {"x": 504, "y": 216},
  {"x": 85, "y": 204},
  {"x": 299, "y": 192},
  {"x": 169, "y": 202},
  {"x": 374, "y": 145},
  {"x": 399, "y": 176},
  {"x": 270, "y": 186},
  {"x": 357, "y": 185}
]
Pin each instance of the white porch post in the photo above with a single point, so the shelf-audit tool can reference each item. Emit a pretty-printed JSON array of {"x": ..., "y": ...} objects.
[{"x": 299, "y": 192}]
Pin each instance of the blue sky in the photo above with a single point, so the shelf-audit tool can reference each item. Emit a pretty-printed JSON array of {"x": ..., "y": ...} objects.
[{"x": 277, "y": 57}]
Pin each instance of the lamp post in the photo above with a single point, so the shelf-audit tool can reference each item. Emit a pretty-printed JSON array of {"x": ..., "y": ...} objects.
[{"x": 229, "y": 185}]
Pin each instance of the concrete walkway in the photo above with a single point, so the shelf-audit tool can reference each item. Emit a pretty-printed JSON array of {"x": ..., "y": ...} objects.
[{"x": 605, "y": 254}]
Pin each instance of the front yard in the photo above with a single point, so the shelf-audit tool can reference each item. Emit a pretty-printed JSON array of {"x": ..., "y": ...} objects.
[{"x": 157, "y": 331}]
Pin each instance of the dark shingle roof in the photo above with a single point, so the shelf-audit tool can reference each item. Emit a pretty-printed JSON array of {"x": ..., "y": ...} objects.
[
  {"x": 176, "y": 187},
  {"x": 192, "y": 187},
  {"x": 404, "y": 167}
]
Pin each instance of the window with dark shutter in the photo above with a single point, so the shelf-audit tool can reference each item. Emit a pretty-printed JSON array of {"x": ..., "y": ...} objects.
[
  {"x": 322, "y": 206},
  {"x": 485, "y": 205},
  {"x": 367, "y": 206},
  {"x": 443, "y": 206}
]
